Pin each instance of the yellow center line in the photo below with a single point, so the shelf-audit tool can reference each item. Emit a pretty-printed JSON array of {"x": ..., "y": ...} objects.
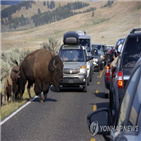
[
  {"x": 94, "y": 108},
  {"x": 93, "y": 139},
  {"x": 98, "y": 76},
  {"x": 96, "y": 91},
  {"x": 102, "y": 73},
  {"x": 98, "y": 83}
]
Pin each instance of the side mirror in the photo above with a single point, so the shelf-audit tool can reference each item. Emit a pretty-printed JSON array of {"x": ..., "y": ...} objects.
[
  {"x": 121, "y": 138},
  {"x": 99, "y": 121}
]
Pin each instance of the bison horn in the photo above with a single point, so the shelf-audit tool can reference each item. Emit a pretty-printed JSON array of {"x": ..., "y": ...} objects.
[{"x": 54, "y": 64}]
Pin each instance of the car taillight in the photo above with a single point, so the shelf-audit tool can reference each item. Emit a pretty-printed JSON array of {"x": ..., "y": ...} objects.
[
  {"x": 107, "y": 73},
  {"x": 120, "y": 79}
]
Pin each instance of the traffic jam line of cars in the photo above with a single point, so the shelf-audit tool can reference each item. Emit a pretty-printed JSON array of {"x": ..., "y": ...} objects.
[{"x": 122, "y": 120}]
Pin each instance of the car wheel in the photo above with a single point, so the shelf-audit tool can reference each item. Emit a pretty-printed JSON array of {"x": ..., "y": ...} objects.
[
  {"x": 85, "y": 87},
  {"x": 98, "y": 67},
  {"x": 91, "y": 76},
  {"x": 106, "y": 95},
  {"x": 88, "y": 81},
  {"x": 102, "y": 66}
]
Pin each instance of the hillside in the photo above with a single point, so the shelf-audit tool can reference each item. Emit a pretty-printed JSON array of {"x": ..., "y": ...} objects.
[
  {"x": 107, "y": 26},
  {"x": 4, "y": 3}
]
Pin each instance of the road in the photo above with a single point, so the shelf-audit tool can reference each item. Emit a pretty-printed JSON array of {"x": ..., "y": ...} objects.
[{"x": 62, "y": 117}]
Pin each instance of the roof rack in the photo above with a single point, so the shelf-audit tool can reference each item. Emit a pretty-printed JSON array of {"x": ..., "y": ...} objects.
[{"x": 134, "y": 30}]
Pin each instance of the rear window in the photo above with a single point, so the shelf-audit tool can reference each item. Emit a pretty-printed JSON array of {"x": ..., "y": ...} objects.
[
  {"x": 83, "y": 42},
  {"x": 72, "y": 55},
  {"x": 132, "y": 51},
  {"x": 95, "y": 52}
]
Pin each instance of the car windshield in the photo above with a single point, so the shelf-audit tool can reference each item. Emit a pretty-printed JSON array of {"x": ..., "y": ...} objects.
[
  {"x": 95, "y": 52},
  {"x": 72, "y": 55},
  {"x": 99, "y": 47},
  {"x": 132, "y": 52}
]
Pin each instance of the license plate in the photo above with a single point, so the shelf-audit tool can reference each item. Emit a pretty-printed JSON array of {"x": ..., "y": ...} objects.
[{"x": 70, "y": 81}]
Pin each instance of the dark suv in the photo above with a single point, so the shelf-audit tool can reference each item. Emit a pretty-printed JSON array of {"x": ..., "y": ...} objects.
[
  {"x": 127, "y": 124},
  {"x": 126, "y": 61}
]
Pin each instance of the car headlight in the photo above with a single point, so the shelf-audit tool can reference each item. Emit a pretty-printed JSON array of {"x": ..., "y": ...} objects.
[{"x": 83, "y": 69}]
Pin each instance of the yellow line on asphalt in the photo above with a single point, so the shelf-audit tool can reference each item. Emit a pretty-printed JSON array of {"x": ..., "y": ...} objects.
[
  {"x": 96, "y": 91},
  {"x": 98, "y": 83},
  {"x": 102, "y": 73},
  {"x": 93, "y": 139},
  {"x": 94, "y": 108},
  {"x": 98, "y": 76}
]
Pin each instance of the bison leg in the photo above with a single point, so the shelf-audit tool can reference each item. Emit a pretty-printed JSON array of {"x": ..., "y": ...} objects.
[
  {"x": 37, "y": 90},
  {"x": 45, "y": 95},
  {"x": 28, "y": 89}
]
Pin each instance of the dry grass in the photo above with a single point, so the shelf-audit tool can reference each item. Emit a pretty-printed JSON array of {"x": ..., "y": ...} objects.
[{"x": 9, "y": 108}]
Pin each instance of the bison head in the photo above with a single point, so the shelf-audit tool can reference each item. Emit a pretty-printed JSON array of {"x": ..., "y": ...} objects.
[{"x": 56, "y": 69}]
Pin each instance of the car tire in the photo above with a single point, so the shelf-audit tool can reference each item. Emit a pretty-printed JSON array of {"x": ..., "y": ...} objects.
[
  {"x": 102, "y": 66},
  {"x": 85, "y": 87},
  {"x": 98, "y": 67},
  {"x": 106, "y": 95},
  {"x": 88, "y": 81},
  {"x": 91, "y": 76}
]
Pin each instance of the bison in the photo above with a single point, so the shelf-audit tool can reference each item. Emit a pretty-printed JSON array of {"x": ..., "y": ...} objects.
[
  {"x": 15, "y": 76},
  {"x": 0, "y": 102},
  {"x": 43, "y": 70},
  {"x": 8, "y": 88}
]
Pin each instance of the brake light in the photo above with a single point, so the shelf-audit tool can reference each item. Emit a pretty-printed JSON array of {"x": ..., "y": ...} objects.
[
  {"x": 107, "y": 73},
  {"x": 120, "y": 79}
]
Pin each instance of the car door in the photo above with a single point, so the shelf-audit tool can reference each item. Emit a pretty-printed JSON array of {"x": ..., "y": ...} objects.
[{"x": 129, "y": 120}]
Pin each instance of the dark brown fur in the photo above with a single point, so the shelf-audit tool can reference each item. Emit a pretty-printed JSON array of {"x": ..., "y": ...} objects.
[
  {"x": 8, "y": 88},
  {"x": 15, "y": 76},
  {"x": 38, "y": 68}
]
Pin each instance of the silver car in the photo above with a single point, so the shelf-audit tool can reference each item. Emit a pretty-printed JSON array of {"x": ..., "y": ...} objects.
[{"x": 75, "y": 66}]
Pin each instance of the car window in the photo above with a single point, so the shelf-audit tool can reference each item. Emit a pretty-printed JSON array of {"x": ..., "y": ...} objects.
[
  {"x": 72, "y": 55},
  {"x": 95, "y": 52},
  {"x": 94, "y": 46},
  {"x": 132, "y": 51},
  {"x": 136, "y": 106},
  {"x": 127, "y": 98},
  {"x": 83, "y": 42},
  {"x": 99, "y": 47},
  {"x": 88, "y": 49}
]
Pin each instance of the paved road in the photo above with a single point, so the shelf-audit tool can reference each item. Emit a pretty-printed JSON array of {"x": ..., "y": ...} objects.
[{"x": 62, "y": 117}]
